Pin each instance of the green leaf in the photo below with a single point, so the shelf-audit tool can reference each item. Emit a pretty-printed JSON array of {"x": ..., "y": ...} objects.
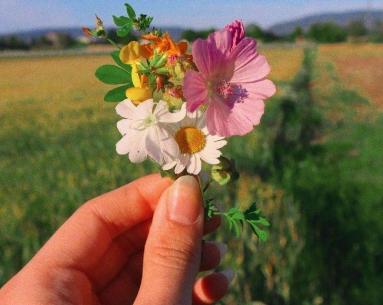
[
  {"x": 125, "y": 30},
  {"x": 110, "y": 74},
  {"x": 117, "y": 94},
  {"x": 116, "y": 57},
  {"x": 143, "y": 65},
  {"x": 210, "y": 208},
  {"x": 162, "y": 61},
  {"x": 143, "y": 22},
  {"x": 130, "y": 10},
  {"x": 262, "y": 221},
  {"x": 236, "y": 219},
  {"x": 163, "y": 71},
  {"x": 121, "y": 21},
  {"x": 261, "y": 234}
]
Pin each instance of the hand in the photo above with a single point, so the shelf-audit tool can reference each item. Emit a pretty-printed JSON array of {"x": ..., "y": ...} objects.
[{"x": 140, "y": 244}]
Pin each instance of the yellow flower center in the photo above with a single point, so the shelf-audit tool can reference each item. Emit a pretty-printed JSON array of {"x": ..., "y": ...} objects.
[{"x": 190, "y": 140}]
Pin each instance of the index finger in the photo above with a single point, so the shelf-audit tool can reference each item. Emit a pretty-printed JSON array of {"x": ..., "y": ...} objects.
[{"x": 88, "y": 233}]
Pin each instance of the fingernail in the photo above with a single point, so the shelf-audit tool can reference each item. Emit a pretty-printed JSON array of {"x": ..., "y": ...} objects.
[
  {"x": 222, "y": 248},
  {"x": 184, "y": 200},
  {"x": 229, "y": 274}
]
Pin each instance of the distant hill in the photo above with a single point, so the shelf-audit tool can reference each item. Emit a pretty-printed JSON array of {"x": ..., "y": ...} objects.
[
  {"x": 340, "y": 18},
  {"x": 75, "y": 32},
  {"x": 280, "y": 29}
]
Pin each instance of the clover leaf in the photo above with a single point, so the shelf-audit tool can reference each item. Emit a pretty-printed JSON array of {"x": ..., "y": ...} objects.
[{"x": 116, "y": 75}]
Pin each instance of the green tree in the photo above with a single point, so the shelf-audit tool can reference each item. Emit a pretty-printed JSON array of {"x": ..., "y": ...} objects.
[
  {"x": 357, "y": 28},
  {"x": 191, "y": 35},
  {"x": 376, "y": 34},
  {"x": 327, "y": 32},
  {"x": 255, "y": 31},
  {"x": 297, "y": 33},
  {"x": 13, "y": 43},
  {"x": 112, "y": 34}
]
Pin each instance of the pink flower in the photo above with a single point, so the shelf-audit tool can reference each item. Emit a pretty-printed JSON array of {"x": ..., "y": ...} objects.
[
  {"x": 230, "y": 82},
  {"x": 237, "y": 31}
]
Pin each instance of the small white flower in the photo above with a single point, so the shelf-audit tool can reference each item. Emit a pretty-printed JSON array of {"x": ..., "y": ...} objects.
[
  {"x": 145, "y": 130},
  {"x": 195, "y": 144}
]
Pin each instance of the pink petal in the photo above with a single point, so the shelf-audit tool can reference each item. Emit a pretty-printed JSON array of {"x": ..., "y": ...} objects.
[
  {"x": 237, "y": 29},
  {"x": 210, "y": 55},
  {"x": 260, "y": 90},
  {"x": 238, "y": 120},
  {"x": 222, "y": 41},
  {"x": 253, "y": 110},
  {"x": 249, "y": 66},
  {"x": 195, "y": 90}
]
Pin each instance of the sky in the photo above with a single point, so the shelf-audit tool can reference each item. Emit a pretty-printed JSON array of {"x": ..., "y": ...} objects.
[{"x": 17, "y": 15}]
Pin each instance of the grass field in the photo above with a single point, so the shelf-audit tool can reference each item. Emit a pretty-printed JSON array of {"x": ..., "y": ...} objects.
[
  {"x": 360, "y": 66},
  {"x": 57, "y": 149}
]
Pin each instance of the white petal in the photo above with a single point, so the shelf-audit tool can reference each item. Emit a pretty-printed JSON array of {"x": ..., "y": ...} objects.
[
  {"x": 153, "y": 145},
  {"x": 169, "y": 165},
  {"x": 138, "y": 152},
  {"x": 211, "y": 152},
  {"x": 215, "y": 138},
  {"x": 161, "y": 108},
  {"x": 198, "y": 165},
  {"x": 192, "y": 166},
  {"x": 123, "y": 146},
  {"x": 145, "y": 107},
  {"x": 219, "y": 144},
  {"x": 181, "y": 164},
  {"x": 126, "y": 109},
  {"x": 179, "y": 168},
  {"x": 173, "y": 117},
  {"x": 129, "y": 141},
  {"x": 124, "y": 126},
  {"x": 160, "y": 146},
  {"x": 205, "y": 156}
]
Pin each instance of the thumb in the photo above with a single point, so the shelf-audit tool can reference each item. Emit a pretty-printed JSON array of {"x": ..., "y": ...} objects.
[{"x": 173, "y": 248}]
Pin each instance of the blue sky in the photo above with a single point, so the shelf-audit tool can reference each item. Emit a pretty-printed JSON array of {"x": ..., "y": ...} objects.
[{"x": 18, "y": 15}]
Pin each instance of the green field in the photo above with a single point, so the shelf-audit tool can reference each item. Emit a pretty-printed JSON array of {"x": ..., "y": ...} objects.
[{"x": 314, "y": 166}]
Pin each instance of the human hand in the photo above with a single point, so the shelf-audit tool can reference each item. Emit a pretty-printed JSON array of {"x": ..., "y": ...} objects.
[{"x": 140, "y": 244}]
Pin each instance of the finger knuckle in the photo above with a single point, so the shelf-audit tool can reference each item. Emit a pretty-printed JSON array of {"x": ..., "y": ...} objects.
[{"x": 174, "y": 254}]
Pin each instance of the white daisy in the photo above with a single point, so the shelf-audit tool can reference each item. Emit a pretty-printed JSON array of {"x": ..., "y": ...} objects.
[
  {"x": 195, "y": 144},
  {"x": 145, "y": 130}
]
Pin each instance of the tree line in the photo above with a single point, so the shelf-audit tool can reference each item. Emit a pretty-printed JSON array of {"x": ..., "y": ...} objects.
[{"x": 326, "y": 32}]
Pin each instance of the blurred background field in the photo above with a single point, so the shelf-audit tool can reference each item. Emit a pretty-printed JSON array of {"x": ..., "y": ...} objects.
[{"x": 314, "y": 166}]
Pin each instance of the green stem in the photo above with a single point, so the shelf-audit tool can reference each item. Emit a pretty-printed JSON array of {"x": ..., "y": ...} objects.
[{"x": 113, "y": 43}]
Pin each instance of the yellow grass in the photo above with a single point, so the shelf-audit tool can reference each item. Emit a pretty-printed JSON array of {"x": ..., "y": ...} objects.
[
  {"x": 360, "y": 67},
  {"x": 285, "y": 62},
  {"x": 62, "y": 92}
]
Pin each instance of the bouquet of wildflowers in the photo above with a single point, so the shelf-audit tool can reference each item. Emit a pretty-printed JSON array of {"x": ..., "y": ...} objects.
[{"x": 180, "y": 104}]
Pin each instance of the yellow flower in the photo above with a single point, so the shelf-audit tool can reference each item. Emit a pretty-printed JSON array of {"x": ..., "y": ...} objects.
[
  {"x": 138, "y": 95},
  {"x": 136, "y": 76},
  {"x": 131, "y": 54}
]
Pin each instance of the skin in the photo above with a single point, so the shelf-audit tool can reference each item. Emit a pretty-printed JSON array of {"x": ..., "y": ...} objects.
[{"x": 123, "y": 248}]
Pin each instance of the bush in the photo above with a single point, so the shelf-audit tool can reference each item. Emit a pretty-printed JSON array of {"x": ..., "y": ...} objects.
[
  {"x": 191, "y": 35},
  {"x": 327, "y": 33}
]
